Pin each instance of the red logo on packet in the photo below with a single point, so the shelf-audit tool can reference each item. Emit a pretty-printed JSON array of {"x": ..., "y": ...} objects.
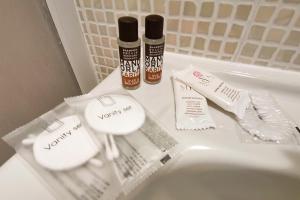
[{"x": 197, "y": 74}]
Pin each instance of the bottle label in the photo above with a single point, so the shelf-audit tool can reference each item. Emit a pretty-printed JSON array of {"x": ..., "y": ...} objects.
[
  {"x": 130, "y": 66},
  {"x": 153, "y": 62}
]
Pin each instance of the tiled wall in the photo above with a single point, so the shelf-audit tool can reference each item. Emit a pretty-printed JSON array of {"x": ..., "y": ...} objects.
[{"x": 262, "y": 32}]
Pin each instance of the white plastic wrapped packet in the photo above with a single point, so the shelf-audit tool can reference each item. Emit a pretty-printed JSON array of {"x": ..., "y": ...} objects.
[
  {"x": 265, "y": 122},
  {"x": 226, "y": 96},
  {"x": 141, "y": 151},
  {"x": 191, "y": 108},
  {"x": 59, "y": 151}
]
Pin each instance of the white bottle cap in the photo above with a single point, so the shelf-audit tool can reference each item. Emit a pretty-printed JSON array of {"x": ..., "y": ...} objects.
[
  {"x": 114, "y": 114},
  {"x": 66, "y": 146}
]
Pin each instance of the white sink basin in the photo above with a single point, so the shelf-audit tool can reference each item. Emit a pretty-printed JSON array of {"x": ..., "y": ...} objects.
[
  {"x": 218, "y": 175},
  {"x": 217, "y": 166}
]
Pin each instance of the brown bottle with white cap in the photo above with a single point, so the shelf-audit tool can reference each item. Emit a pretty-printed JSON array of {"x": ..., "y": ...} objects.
[
  {"x": 130, "y": 52},
  {"x": 154, "y": 48}
]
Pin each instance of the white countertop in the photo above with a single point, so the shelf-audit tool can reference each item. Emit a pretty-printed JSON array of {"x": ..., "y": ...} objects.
[{"x": 17, "y": 182}]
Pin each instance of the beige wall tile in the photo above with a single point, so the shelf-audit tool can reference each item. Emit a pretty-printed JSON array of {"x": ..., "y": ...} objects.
[
  {"x": 87, "y": 3},
  {"x": 219, "y": 29},
  {"x": 225, "y": 10},
  {"x": 99, "y": 51},
  {"x": 242, "y": 12},
  {"x": 172, "y": 24},
  {"x": 102, "y": 29},
  {"x": 285, "y": 55},
  {"x": 266, "y": 52},
  {"x": 249, "y": 49},
  {"x": 207, "y": 9},
  {"x": 171, "y": 39},
  {"x": 174, "y": 7},
  {"x": 230, "y": 47},
  {"x": 96, "y": 40},
  {"x": 108, "y": 4},
  {"x": 105, "y": 41},
  {"x": 275, "y": 35},
  {"x": 264, "y": 13},
  {"x": 89, "y": 15},
  {"x": 293, "y": 38},
  {"x": 256, "y": 32},
  {"x": 284, "y": 17},
  {"x": 99, "y": 16},
  {"x": 235, "y": 31},
  {"x": 93, "y": 28},
  {"x": 199, "y": 43},
  {"x": 185, "y": 41},
  {"x": 203, "y": 27},
  {"x": 214, "y": 45},
  {"x": 110, "y": 17},
  {"x": 97, "y": 4},
  {"x": 159, "y": 6},
  {"x": 187, "y": 26},
  {"x": 112, "y": 31},
  {"x": 120, "y": 5},
  {"x": 145, "y": 5},
  {"x": 189, "y": 9},
  {"x": 132, "y": 5}
]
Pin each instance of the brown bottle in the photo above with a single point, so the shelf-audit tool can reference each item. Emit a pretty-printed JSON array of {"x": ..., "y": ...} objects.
[
  {"x": 154, "y": 48},
  {"x": 130, "y": 52}
]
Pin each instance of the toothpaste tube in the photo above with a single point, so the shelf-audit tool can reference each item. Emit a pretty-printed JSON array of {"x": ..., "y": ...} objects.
[
  {"x": 226, "y": 96},
  {"x": 191, "y": 108}
]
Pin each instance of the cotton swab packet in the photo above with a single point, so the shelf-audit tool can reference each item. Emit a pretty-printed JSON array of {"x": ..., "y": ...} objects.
[
  {"x": 265, "y": 121},
  {"x": 226, "y": 96},
  {"x": 107, "y": 115},
  {"x": 191, "y": 108}
]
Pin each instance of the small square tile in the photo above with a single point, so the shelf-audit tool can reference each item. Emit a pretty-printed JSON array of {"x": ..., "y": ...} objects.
[
  {"x": 219, "y": 28},
  {"x": 159, "y": 6},
  {"x": 235, "y": 31},
  {"x": 275, "y": 35},
  {"x": 256, "y": 32},
  {"x": 107, "y": 53},
  {"x": 183, "y": 51},
  {"x": 120, "y": 5},
  {"x": 171, "y": 39},
  {"x": 266, "y": 52},
  {"x": 187, "y": 26},
  {"x": 145, "y": 5},
  {"x": 242, "y": 12},
  {"x": 87, "y": 3},
  {"x": 207, "y": 9},
  {"x": 284, "y": 55},
  {"x": 214, "y": 45},
  {"x": 97, "y": 4},
  {"x": 108, "y": 4},
  {"x": 249, "y": 49},
  {"x": 132, "y": 5},
  {"x": 284, "y": 17},
  {"x": 194, "y": 53},
  {"x": 264, "y": 13},
  {"x": 225, "y": 10},
  {"x": 99, "y": 51},
  {"x": 185, "y": 41},
  {"x": 261, "y": 63},
  {"x": 189, "y": 9},
  {"x": 89, "y": 15},
  {"x": 93, "y": 28},
  {"x": 109, "y": 62},
  {"x": 116, "y": 54},
  {"x": 105, "y": 41},
  {"x": 230, "y": 47},
  {"x": 203, "y": 27},
  {"x": 174, "y": 8},
  {"x": 96, "y": 40},
  {"x": 244, "y": 60},
  {"x": 110, "y": 17},
  {"x": 102, "y": 29},
  {"x": 116, "y": 64},
  {"x": 172, "y": 24},
  {"x": 112, "y": 31},
  {"x": 199, "y": 43},
  {"x": 114, "y": 43},
  {"x": 293, "y": 38},
  {"x": 99, "y": 16},
  {"x": 170, "y": 49}
]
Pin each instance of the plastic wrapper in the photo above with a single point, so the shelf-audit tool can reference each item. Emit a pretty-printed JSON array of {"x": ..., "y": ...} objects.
[
  {"x": 86, "y": 181},
  {"x": 265, "y": 122},
  {"x": 142, "y": 151},
  {"x": 226, "y": 96},
  {"x": 191, "y": 108}
]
